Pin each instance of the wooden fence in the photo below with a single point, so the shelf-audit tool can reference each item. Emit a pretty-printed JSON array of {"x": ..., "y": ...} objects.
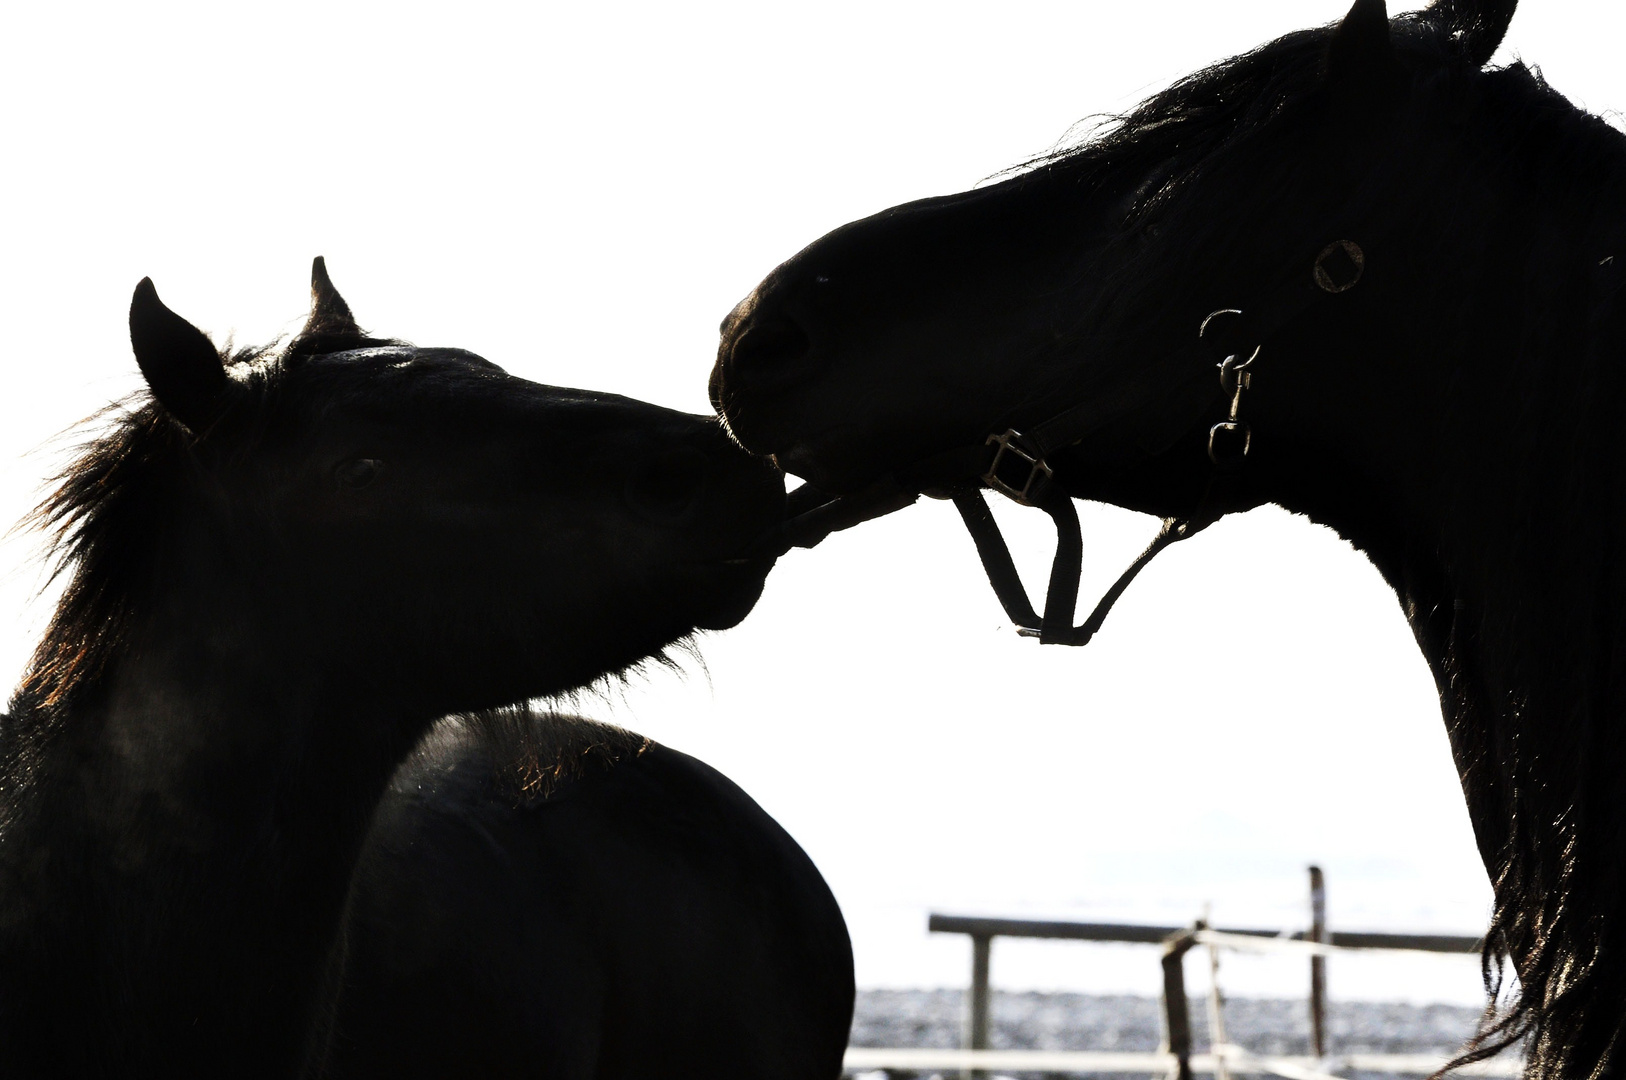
[{"x": 1176, "y": 1060}]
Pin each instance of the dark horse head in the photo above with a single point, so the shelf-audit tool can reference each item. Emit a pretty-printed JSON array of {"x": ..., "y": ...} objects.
[
  {"x": 285, "y": 566},
  {"x": 1427, "y": 258},
  {"x": 416, "y": 522}
]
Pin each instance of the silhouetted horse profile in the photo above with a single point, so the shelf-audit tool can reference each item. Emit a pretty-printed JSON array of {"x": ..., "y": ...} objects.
[
  {"x": 578, "y": 904},
  {"x": 1428, "y": 258},
  {"x": 285, "y": 567}
]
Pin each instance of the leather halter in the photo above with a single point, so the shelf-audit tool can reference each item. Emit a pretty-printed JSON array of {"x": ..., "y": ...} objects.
[{"x": 1016, "y": 464}]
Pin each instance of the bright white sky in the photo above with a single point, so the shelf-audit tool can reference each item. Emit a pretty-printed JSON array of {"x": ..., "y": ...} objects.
[{"x": 580, "y": 192}]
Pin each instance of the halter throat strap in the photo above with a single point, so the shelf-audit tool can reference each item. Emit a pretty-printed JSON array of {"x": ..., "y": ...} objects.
[{"x": 1055, "y": 626}]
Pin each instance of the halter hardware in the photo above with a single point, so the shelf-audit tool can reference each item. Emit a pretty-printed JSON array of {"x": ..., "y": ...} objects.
[
  {"x": 1230, "y": 439},
  {"x": 1339, "y": 266},
  {"x": 1013, "y": 446},
  {"x": 1018, "y": 467}
]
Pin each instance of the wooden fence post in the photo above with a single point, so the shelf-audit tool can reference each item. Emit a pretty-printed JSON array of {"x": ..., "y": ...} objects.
[
  {"x": 1216, "y": 1010},
  {"x": 1176, "y": 1013},
  {"x": 1318, "y": 964},
  {"x": 977, "y": 1020}
]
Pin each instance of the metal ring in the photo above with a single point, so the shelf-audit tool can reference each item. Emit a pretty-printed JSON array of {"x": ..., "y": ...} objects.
[
  {"x": 1212, "y": 315},
  {"x": 1230, "y": 427},
  {"x": 1357, "y": 258},
  {"x": 1257, "y": 349}
]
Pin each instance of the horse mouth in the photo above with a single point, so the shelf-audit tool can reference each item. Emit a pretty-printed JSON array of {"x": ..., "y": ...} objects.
[
  {"x": 806, "y": 456},
  {"x": 820, "y": 462},
  {"x": 798, "y": 459}
]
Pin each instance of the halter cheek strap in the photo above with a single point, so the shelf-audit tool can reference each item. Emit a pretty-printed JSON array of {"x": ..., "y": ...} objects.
[{"x": 1017, "y": 466}]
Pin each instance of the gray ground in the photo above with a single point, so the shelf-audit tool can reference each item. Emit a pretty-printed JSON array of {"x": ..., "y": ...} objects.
[{"x": 1035, "y": 1021}]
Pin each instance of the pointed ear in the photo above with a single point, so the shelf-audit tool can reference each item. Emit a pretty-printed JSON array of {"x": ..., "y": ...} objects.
[
  {"x": 330, "y": 315},
  {"x": 1363, "y": 71},
  {"x": 1478, "y": 26},
  {"x": 182, "y": 367}
]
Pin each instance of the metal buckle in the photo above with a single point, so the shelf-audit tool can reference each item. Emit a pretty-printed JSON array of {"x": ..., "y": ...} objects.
[{"x": 1039, "y": 472}]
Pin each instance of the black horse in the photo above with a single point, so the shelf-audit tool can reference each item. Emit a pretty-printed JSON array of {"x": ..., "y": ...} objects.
[
  {"x": 285, "y": 567},
  {"x": 575, "y": 903},
  {"x": 1428, "y": 258}
]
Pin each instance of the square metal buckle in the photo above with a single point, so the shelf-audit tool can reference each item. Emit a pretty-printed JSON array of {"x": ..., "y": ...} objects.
[{"x": 1038, "y": 472}]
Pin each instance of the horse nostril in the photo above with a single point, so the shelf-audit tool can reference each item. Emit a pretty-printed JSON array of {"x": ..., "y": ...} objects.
[
  {"x": 770, "y": 351},
  {"x": 666, "y": 487}
]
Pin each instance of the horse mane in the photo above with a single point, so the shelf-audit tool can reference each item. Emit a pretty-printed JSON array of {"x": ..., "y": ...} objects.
[
  {"x": 1183, "y": 124},
  {"x": 105, "y": 515},
  {"x": 1541, "y": 752},
  {"x": 1179, "y": 130},
  {"x": 103, "y": 518}
]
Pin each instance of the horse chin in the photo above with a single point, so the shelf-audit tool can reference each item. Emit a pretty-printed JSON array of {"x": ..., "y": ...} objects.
[
  {"x": 731, "y": 591},
  {"x": 729, "y": 615}
]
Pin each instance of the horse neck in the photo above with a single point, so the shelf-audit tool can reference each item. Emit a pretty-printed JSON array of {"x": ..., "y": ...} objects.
[
  {"x": 1499, "y": 524},
  {"x": 177, "y": 871},
  {"x": 1518, "y": 607},
  {"x": 1522, "y": 517}
]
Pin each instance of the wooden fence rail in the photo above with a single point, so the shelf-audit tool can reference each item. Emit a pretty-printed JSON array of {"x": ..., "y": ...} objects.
[
  {"x": 1139, "y": 933},
  {"x": 865, "y": 1058},
  {"x": 1175, "y": 941}
]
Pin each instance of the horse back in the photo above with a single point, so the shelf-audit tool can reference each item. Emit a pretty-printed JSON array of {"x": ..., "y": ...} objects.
[{"x": 636, "y": 915}]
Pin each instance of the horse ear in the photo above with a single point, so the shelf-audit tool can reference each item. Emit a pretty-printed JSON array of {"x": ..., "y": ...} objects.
[
  {"x": 182, "y": 367},
  {"x": 1477, "y": 25},
  {"x": 1362, "y": 67},
  {"x": 330, "y": 315}
]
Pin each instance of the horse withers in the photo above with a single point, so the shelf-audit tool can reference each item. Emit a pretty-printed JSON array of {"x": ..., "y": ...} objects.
[
  {"x": 1352, "y": 272},
  {"x": 284, "y": 568}
]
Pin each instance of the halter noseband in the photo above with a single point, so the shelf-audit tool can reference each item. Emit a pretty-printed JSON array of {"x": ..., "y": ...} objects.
[{"x": 1016, "y": 465}]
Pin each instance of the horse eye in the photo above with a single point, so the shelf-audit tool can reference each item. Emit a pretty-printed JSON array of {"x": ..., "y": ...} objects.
[{"x": 357, "y": 472}]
